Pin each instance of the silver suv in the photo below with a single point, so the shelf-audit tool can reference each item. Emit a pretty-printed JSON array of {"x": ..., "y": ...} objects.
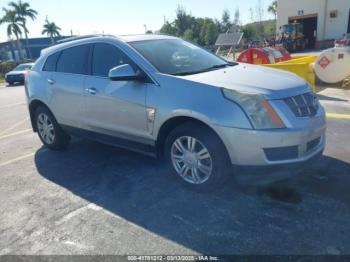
[{"x": 162, "y": 96}]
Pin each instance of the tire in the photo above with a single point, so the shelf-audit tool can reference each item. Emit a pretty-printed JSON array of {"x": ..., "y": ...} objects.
[
  {"x": 49, "y": 131},
  {"x": 206, "y": 174},
  {"x": 10, "y": 83}
]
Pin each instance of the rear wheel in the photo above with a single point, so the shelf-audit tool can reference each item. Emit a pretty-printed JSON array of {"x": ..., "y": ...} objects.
[
  {"x": 197, "y": 157},
  {"x": 49, "y": 131}
]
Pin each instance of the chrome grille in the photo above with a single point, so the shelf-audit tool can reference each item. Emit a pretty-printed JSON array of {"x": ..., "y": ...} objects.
[
  {"x": 15, "y": 76},
  {"x": 305, "y": 105}
]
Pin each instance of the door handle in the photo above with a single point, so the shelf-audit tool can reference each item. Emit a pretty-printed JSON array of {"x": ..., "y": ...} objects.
[
  {"x": 51, "y": 81},
  {"x": 91, "y": 90}
]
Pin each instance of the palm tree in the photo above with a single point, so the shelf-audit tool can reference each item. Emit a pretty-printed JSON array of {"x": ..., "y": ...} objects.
[
  {"x": 51, "y": 30},
  {"x": 273, "y": 10},
  {"x": 13, "y": 27},
  {"x": 23, "y": 11}
]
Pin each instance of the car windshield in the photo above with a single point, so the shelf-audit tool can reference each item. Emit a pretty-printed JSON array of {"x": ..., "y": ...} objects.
[
  {"x": 178, "y": 57},
  {"x": 22, "y": 67}
]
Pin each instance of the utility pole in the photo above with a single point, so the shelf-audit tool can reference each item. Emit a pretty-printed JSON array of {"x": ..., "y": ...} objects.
[
  {"x": 325, "y": 19},
  {"x": 145, "y": 28}
]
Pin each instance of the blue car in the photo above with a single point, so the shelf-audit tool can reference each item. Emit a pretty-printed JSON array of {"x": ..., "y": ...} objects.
[{"x": 17, "y": 74}]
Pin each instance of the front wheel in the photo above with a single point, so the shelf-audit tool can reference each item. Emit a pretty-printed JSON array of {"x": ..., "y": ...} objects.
[
  {"x": 196, "y": 155},
  {"x": 49, "y": 131}
]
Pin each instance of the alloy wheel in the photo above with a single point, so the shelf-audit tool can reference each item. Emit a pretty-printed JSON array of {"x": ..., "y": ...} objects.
[
  {"x": 46, "y": 128},
  {"x": 191, "y": 160}
]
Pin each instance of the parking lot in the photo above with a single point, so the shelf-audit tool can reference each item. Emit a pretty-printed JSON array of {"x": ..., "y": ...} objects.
[{"x": 96, "y": 199}]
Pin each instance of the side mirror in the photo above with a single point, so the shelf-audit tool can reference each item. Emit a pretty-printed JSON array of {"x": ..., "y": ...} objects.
[{"x": 125, "y": 73}]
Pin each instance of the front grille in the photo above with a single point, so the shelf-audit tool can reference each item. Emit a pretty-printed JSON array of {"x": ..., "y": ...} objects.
[
  {"x": 281, "y": 153},
  {"x": 15, "y": 76},
  {"x": 312, "y": 144},
  {"x": 305, "y": 105}
]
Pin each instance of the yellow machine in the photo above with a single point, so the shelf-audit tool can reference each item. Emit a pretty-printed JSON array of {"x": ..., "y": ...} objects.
[{"x": 303, "y": 66}]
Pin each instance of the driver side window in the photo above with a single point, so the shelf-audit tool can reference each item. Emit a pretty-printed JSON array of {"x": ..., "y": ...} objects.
[{"x": 105, "y": 57}]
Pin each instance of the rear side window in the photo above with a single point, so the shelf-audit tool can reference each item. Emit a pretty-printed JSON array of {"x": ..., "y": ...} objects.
[
  {"x": 105, "y": 57},
  {"x": 74, "y": 60},
  {"x": 51, "y": 61}
]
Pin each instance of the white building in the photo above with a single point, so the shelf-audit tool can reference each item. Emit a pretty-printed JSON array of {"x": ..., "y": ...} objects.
[{"x": 323, "y": 20}]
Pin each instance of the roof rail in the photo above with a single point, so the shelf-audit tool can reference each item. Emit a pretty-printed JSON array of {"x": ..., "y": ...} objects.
[{"x": 73, "y": 38}]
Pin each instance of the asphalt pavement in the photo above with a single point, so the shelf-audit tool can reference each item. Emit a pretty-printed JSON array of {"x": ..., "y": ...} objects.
[{"x": 97, "y": 199}]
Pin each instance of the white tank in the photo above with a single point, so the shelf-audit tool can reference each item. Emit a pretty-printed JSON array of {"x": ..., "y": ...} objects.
[{"x": 333, "y": 65}]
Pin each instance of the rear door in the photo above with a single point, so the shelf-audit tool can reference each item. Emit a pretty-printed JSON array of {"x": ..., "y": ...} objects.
[
  {"x": 114, "y": 108},
  {"x": 65, "y": 83}
]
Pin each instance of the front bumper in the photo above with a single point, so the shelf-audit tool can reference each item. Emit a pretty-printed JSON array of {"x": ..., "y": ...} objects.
[
  {"x": 261, "y": 175},
  {"x": 248, "y": 147},
  {"x": 14, "y": 78}
]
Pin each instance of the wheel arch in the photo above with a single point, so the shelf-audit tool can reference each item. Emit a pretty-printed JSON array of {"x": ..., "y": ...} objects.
[
  {"x": 33, "y": 105},
  {"x": 171, "y": 123}
]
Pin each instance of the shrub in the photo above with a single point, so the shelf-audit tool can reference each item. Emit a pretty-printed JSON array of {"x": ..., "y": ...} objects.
[{"x": 7, "y": 66}]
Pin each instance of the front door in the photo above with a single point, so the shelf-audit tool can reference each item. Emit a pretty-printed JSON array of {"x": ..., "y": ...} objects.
[{"x": 114, "y": 108}]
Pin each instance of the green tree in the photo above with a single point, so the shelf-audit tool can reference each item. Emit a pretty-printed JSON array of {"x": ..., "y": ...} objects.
[
  {"x": 273, "y": 10},
  {"x": 182, "y": 21},
  {"x": 236, "y": 21},
  {"x": 196, "y": 28},
  {"x": 168, "y": 28},
  {"x": 203, "y": 31},
  {"x": 249, "y": 31},
  {"x": 188, "y": 35},
  {"x": 13, "y": 27},
  {"x": 219, "y": 26},
  {"x": 226, "y": 21},
  {"x": 210, "y": 33},
  {"x": 51, "y": 30},
  {"x": 23, "y": 11}
]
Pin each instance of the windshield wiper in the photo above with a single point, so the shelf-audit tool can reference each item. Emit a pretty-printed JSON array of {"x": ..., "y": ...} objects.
[
  {"x": 206, "y": 69},
  {"x": 218, "y": 66}
]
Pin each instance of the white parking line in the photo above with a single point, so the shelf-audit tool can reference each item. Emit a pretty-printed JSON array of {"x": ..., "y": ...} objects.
[
  {"x": 14, "y": 126},
  {"x": 16, "y": 159},
  {"x": 77, "y": 212},
  {"x": 15, "y": 133},
  {"x": 11, "y": 105}
]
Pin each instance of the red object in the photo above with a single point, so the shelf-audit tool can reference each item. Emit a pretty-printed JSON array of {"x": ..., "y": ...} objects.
[
  {"x": 266, "y": 55},
  {"x": 324, "y": 62}
]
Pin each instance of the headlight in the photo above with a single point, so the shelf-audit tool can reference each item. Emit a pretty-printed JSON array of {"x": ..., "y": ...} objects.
[{"x": 258, "y": 109}]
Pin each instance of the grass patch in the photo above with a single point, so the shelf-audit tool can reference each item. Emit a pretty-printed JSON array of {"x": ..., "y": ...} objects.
[{"x": 2, "y": 80}]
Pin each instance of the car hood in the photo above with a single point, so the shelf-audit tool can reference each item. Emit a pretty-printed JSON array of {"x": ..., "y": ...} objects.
[
  {"x": 272, "y": 83},
  {"x": 15, "y": 73}
]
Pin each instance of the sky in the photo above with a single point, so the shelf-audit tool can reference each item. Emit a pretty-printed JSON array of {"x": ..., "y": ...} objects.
[{"x": 120, "y": 17}]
